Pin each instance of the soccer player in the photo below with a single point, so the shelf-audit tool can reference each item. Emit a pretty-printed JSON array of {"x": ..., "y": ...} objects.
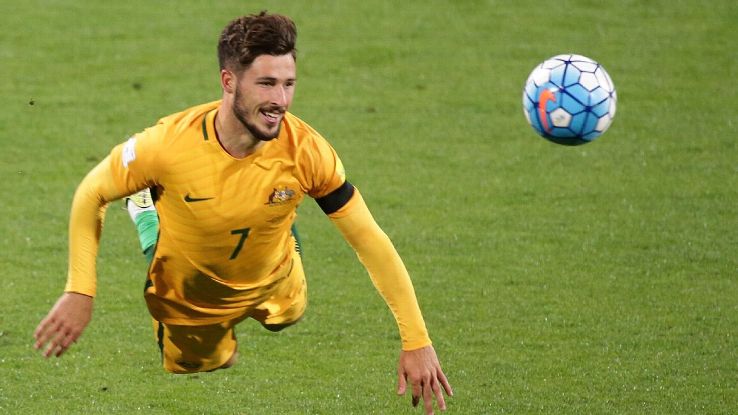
[{"x": 226, "y": 178}]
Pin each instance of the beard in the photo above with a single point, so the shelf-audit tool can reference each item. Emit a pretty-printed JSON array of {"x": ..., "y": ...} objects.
[{"x": 242, "y": 114}]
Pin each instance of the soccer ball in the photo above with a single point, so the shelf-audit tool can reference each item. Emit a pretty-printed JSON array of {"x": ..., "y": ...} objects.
[{"x": 569, "y": 99}]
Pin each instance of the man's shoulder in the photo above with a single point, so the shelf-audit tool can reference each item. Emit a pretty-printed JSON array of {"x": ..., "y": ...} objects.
[
  {"x": 300, "y": 131},
  {"x": 190, "y": 115},
  {"x": 189, "y": 123}
]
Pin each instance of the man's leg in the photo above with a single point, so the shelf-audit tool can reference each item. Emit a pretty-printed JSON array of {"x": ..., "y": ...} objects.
[
  {"x": 191, "y": 349},
  {"x": 287, "y": 305},
  {"x": 141, "y": 209}
]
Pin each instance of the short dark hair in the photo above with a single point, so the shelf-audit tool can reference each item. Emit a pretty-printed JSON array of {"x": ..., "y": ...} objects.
[{"x": 247, "y": 37}]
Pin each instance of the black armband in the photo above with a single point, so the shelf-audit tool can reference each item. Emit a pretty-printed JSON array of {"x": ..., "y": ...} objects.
[{"x": 336, "y": 199}]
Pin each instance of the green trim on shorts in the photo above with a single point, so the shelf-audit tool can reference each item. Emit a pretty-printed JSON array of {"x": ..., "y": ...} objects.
[{"x": 298, "y": 243}]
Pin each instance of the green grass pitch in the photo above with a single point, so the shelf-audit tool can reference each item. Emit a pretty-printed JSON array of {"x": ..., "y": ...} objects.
[{"x": 598, "y": 279}]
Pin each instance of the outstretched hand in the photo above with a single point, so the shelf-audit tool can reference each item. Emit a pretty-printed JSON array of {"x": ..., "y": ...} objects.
[
  {"x": 422, "y": 370},
  {"x": 64, "y": 324}
]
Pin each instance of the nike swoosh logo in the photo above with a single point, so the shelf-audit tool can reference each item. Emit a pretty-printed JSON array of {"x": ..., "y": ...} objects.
[
  {"x": 190, "y": 199},
  {"x": 545, "y": 96}
]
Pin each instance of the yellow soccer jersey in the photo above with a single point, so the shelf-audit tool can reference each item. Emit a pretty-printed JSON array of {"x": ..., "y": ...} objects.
[{"x": 225, "y": 222}]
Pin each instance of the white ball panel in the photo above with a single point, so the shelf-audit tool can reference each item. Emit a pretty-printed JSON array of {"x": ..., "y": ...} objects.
[
  {"x": 540, "y": 76},
  {"x": 609, "y": 80},
  {"x": 604, "y": 123},
  {"x": 589, "y": 81},
  {"x": 560, "y": 118},
  {"x": 604, "y": 79},
  {"x": 552, "y": 63},
  {"x": 585, "y": 66}
]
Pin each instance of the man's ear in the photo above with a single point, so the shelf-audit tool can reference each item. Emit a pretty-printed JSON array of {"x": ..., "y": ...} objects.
[{"x": 228, "y": 81}]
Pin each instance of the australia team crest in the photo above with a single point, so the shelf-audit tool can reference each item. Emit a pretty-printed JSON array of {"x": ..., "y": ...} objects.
[{"x": 280, "y": 196}]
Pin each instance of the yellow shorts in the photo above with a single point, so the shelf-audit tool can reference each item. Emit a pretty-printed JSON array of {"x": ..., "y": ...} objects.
[{"x": 190, "y": 349}]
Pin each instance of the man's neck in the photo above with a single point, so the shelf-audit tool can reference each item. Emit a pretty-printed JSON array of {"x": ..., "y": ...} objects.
[{"x": 235, "y": 139}]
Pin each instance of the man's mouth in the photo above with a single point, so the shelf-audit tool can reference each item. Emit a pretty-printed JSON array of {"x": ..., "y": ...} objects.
[{"x": 272, "y": 116}]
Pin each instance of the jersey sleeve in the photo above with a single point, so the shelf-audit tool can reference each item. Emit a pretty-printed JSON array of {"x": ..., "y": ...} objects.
[
  {"x": 86, "y": 219},
  {"x": 322, "y": 168},
  {"x": 130, "y": 167},
  {"x": 134, "y": 164},
  {"x": 385, "y": 268}
]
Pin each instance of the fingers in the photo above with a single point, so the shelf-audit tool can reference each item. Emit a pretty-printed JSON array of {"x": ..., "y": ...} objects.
[
  {"x": 421, "y": 369},
  {"x": 417, "y": 392},
  {"x": 59, "y": 344},
  {"x": 401, "y": 382},
  {"x": 402, "y": 388},
  {"x": 438, "y": 393},
  {"x": 427, "y": 399},
  {"x": 433, "y": 386},
  {"x": 444, "y": 382},
  {"x": 417, "y": 389},
  {"x": 53, "y": 344},
  {"x": 65, "y": 342},
  {"x": 45, "y": 331},
  {"x": 429, "y": 390},
  {"x": 40, "y": 328},
  {"x": 55, "y": 336},
  {"x": 52, "y": 349},
  {"x": 64, "y": 324}
]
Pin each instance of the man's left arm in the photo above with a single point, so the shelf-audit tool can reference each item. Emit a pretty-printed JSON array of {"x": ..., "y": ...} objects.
[{"x": 418, "y": 363}]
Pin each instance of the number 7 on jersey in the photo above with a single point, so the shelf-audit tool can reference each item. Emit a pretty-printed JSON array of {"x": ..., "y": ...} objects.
[{"x": 244, "y": 232}]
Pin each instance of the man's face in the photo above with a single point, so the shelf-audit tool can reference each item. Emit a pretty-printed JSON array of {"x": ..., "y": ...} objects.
[{"x": 263, "y": 93}]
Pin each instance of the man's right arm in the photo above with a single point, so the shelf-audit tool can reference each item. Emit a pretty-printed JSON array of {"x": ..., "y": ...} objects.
[
  {"x": 94, "y": 193},
  {"x": 68, "y": 318}
]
